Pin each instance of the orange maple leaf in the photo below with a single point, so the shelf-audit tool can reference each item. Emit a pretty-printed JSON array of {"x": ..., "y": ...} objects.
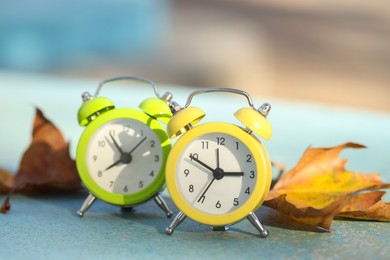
[{"x": 319, "y": 188}]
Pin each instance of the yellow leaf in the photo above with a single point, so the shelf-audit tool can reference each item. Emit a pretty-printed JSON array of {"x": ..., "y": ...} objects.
[{"x": 319, "y": 186}]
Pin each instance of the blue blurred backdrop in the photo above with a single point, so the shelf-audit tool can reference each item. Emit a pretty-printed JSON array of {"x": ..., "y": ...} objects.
[
  {"x": 334, "y": 52},
  {"x": 42, "y": 34}
]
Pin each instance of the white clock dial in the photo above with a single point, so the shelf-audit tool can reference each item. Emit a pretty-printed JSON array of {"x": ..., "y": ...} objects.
[
  {"x": 216, "y": 173},
  {"x": 124, "y": 156}
]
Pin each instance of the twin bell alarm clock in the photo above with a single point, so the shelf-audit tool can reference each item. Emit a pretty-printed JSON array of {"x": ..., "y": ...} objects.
[
  {"x": 122, "y": 152},
  {"x": 218, "y": 173}
]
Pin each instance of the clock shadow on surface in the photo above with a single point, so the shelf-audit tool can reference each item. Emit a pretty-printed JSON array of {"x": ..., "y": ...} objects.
[{"x": 148, "y": 213}]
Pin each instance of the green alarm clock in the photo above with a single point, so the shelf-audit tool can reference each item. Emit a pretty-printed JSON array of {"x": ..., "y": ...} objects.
[{"x": 121, "y": 154}]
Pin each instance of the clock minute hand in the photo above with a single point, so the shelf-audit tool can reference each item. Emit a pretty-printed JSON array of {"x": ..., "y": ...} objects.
[
  {"x": 208, "y": 186},
  {"x": 201, "y": 163},
  {"x": 135, "y": 147},
  {"x": 116, "y": 144}
]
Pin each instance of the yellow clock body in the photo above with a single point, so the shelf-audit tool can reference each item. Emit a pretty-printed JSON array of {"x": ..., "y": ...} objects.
[{"x": 217, "y": 174}]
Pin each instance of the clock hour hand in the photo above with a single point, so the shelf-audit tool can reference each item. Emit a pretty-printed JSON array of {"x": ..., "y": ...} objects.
[
  {"x": 201, "y": 163},
  {"x": 114, "y": 164}
]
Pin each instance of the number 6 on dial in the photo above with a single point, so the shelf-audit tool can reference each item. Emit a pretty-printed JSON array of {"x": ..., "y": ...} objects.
[{"x": 218, "y": 173}]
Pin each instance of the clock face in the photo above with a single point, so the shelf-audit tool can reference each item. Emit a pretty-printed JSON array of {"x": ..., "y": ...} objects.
[
  {"x": 217, "y": 173},
  {"x": 123, "y": 156}
]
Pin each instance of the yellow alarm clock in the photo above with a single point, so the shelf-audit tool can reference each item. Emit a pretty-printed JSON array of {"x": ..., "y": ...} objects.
[
  {"x": 218, "y": 173},
  {"x": 122, "y": 152}
]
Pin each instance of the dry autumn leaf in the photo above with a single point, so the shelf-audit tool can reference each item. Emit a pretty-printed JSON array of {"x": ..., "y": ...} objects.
[
  {"x": 46, "y": 165},
  {"x": 366, "y": 206},
  {"x": 319, "y": 188}
]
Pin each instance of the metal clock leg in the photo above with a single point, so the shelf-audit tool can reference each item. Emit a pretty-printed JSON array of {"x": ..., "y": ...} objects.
[
  {"x": 256, "y": 222},
  {"x": 178, "y": 219},
  {"x": 163, "y": 205},
  {"x": 220, "y": 228},
  {"x": 87, "y": 203}
]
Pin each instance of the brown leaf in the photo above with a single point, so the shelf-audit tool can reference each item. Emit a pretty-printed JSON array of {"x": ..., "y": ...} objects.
[
  {"x": 6, "y": 206},
  {"x": 319, "y": 186},
  {"x": 6, "y": 181},
  {"x": 46, "y": 164},
  {"x": 366, "y": 206},
  {"x": 309, "y": 215}
]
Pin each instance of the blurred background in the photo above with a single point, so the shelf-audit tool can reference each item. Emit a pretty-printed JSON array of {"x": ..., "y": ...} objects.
[{"x": 330, "y": 52}]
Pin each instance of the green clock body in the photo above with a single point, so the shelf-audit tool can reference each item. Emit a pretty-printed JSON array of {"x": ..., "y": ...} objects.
[{"x": 121, "y": 156}]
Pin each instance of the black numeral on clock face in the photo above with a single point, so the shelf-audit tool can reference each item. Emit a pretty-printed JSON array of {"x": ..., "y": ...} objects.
[
  {"x": 220, "y": 141},
  {"x": 194, "y": 155}
]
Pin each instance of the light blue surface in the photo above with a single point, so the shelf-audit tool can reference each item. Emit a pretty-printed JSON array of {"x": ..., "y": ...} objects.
[{"x": 46, "y": 226}]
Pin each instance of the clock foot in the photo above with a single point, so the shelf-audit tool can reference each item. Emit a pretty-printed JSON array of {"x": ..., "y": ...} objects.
[
  {"x": 87, "y": 203},
  {"x": 163, "y": 205},
  {"x": 220, "y": 228},
  {"x": 256, "y": 222},
  {"x": 127, "y": 209},
  {"x": 177, "y": 220}
]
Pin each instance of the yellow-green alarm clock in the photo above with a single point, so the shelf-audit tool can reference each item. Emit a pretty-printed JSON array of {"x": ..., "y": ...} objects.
[
  {"x": 218, "y": 173},
  {"x": 122, "y": 152}
]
